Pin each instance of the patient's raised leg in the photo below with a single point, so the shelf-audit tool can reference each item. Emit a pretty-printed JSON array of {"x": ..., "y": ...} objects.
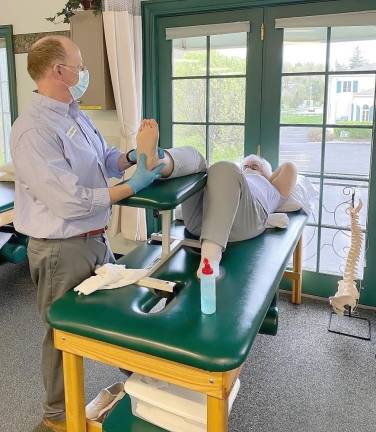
[
  {"x": 147, "y": 142},
  {"x": 183, "y": 161},
  {"x": 230, "y": 212}
]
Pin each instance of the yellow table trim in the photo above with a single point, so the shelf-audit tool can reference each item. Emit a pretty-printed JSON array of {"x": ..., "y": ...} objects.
[{"x": 6, "y": 217}]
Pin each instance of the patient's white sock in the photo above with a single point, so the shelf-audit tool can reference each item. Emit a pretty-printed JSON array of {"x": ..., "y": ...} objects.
[{"x": 213, "y": 252}]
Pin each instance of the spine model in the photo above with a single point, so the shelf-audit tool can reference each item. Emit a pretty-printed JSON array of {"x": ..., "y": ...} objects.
[{"x": 347, "y": 293}]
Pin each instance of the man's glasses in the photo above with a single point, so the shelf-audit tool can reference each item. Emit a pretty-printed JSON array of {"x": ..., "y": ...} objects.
[{"x": 80, "y": 68}]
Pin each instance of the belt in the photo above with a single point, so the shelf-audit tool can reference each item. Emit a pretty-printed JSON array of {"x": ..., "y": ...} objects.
[
  {"x": 88, "y": 234},
  {"x": 93, "y": 233}
]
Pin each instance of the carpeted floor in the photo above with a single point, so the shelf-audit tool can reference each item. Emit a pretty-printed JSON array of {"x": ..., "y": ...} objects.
[{"x": 304, "y": 379}]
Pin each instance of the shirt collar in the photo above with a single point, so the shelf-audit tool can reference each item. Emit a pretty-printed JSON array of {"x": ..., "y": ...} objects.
[{"x": 55, "y": 105}]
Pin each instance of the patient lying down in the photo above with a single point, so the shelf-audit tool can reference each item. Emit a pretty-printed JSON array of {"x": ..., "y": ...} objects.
[{"x": 236, "y": 202}]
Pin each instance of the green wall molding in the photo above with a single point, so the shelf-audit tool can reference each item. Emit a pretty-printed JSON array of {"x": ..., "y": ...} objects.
[
  {"x": 172, "y": 7},
  {"x": 6, "y": 32},
  {"x": 23, "y": 42}
]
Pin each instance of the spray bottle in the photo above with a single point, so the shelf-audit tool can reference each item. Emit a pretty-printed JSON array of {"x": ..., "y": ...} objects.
[{"x": 207, "y": 287}]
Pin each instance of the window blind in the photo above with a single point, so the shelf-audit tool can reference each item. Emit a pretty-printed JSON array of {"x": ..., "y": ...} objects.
[
  {"x": 207, "y": 30},
  {"x": 363, "y": 18}
]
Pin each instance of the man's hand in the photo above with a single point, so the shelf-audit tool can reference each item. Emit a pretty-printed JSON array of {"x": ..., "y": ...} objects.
[
  {"x": 132, "y": 155},
  {"x": 142, "y": 177}
]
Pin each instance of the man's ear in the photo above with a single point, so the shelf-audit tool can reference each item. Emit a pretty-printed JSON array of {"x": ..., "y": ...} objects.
[{"x": 57, "y": 70}]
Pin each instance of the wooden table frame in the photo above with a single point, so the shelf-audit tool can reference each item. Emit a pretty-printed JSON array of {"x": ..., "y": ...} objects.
[
  {"x": 216, "y": 385},
  {"x": 6, "y": 217}
]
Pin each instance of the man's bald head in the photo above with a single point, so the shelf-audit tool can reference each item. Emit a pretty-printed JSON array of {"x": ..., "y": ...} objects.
[{"x": 47, "y": 51}]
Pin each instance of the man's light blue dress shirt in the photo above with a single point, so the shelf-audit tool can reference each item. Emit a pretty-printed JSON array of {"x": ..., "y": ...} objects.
[{"x": 62, "y": 165}]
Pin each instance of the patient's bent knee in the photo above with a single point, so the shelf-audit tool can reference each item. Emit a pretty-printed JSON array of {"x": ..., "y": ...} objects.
[{"x": 224, "y": 169}]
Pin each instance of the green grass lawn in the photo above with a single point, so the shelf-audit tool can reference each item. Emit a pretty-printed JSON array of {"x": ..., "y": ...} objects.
[{"x": 301, "y": 118}]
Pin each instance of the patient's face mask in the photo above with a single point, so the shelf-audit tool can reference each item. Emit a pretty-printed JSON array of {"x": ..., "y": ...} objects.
[{"x": 249, "y": 171}]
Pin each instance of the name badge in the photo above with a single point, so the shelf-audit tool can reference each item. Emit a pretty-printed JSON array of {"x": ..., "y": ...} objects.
[{"x": 71, "y": 132}]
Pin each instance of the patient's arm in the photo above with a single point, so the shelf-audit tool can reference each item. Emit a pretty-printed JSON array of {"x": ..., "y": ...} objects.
[{"x": 284, "y": 178}]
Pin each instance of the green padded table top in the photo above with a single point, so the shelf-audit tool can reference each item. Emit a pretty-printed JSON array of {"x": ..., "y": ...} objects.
[
  {"x": 252, "y": 270},
  {"x": 122, "y": 420},
  {"x": 167, "y": 194},
  {"x": 6, "y": 196}
]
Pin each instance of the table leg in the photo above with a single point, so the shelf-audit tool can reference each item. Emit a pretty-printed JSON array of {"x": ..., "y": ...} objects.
[
  {"x": 217, "y": 414},
  {"x": 297, "y": 268},
  {"x": 74, "y": 392}
]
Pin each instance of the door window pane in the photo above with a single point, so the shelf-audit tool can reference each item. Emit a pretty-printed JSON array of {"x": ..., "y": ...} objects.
[
  {"x": 314, "y": 216},
  {"x": 309, "y": 260},
  {"x": 334, "y": 247},
  {"x": 301, "y": 145},
  {"x": 228, "y": 54},
  {"x": 304, "y": 49},
  {"x": 227, "y": 100},
  {"x": 226, "y": 143},
  {"x": 190, "y": 135},
  {"x": 189, "y": 100},
  {"x": 337, "y": 199},
  {"x": 302, "y": 99},
  {"x": 354, "y": 146},
  {"x": 5, "y": 96},
  {"x": 189, "y": 57},
  {"x": 5, "y": 117},
  {"x": 309, "y": 257},
  {"x": 351, "y": 99},
  {"x": 3, "y": 61},
  {"x": 353, "y": 48}
]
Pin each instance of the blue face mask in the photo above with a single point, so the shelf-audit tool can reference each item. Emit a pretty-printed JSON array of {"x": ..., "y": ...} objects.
[{"x": 80, "y": 88}]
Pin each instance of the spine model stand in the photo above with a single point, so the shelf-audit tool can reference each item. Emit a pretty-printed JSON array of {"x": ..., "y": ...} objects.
[{"x": 347, "y": 293}]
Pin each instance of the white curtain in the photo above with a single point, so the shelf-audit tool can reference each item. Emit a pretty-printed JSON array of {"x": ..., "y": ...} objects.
[{"x": 123, "y": 34}]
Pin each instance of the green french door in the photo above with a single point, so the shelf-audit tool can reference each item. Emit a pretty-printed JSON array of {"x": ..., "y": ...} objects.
[
  {"x": 292, "y": 85},
  {"x": 321, "y": 59},
  {"x": 8, "y": 96},
  {"x": 209, "y": 83}
]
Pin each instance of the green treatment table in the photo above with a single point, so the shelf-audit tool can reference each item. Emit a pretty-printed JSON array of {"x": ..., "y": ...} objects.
[
  {"x": 178, "y": 344},
  {"x": 12, "y": 251},
  {"x": 6, "y": 203}
]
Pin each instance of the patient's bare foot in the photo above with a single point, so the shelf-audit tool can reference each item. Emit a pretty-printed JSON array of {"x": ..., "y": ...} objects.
[{"x": 147, "y": 142}]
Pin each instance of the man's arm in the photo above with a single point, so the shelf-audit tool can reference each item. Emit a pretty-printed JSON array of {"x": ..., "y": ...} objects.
[
  {"x": 120, "y": 192},
  {"x": 123, "y": 163},
  {"x": 141, "y": 178},
  {"x": 40, "y": 164},
  {"x": 115, "y": 161}
]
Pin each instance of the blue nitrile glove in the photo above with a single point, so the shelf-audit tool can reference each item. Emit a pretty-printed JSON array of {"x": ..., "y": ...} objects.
[
  {"x": 142, "y": 177},
  {"x": 132, "y": 155}
]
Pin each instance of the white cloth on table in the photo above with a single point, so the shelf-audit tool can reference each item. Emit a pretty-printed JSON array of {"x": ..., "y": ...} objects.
[
  {"x": 277, "y": 220},
  {"x": 4, "y": 238},
  {"x": 110, "y": 276}
]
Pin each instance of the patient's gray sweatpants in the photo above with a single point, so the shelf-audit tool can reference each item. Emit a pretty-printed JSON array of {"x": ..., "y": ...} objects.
[
  {"x": 57, "y": 266},
  {"x": 225, "y": 210}
]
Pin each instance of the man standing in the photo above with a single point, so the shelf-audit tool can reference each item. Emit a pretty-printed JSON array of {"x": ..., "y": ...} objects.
[{"x": 63, "y": 200}]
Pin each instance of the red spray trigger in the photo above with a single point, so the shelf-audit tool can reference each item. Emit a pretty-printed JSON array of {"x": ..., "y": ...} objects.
[{"x": 207, "y": 270}]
